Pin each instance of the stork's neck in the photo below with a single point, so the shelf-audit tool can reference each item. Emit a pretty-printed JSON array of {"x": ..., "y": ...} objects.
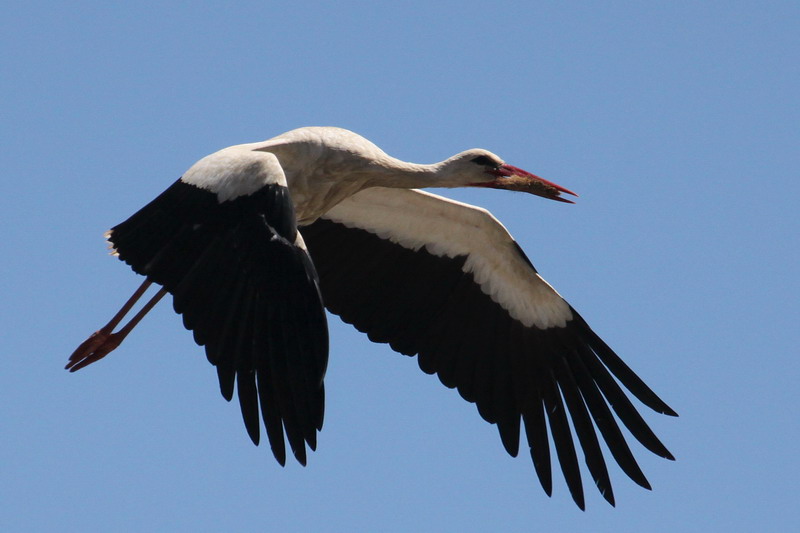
[
  {"x": 391, "y": 172},
  {"x": 388, "y": 171},
  {"x": 372, "y": 168}
]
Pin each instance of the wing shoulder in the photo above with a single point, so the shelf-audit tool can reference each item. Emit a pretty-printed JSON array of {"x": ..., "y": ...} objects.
[{"x": 235, "y": 171}]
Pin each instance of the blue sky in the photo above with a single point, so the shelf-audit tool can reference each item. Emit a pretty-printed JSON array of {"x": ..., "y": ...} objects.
[{"x": 677, "y": 123}]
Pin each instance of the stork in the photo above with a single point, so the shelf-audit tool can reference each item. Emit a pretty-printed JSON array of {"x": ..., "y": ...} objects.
[{"x": 256, "y": 240}]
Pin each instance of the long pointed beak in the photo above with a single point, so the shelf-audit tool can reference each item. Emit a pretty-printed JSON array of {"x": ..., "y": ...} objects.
[{"x": 515, "y": 179}]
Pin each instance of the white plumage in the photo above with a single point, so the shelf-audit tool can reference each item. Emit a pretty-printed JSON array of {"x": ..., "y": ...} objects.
[{"x": 256, "y": 238}]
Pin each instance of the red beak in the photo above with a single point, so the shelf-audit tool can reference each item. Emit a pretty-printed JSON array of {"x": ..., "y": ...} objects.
[{"x": 515, "y": 179}]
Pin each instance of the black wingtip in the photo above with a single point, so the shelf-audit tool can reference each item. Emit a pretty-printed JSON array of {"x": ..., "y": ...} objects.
[
  {"x": 509, "y": 434},
  {"x": 605, "y": 489},
  {"x": 608, "y": 495},
  {"x": 254, "y": 436},
  {"x": 658, "y": 448},
  {"x": 280, "y": 455},
  {"x": 226, "y": 381},
  {"x": 300, "y": 455},
  {"x": 668, "y": 411},
  {"x": 579, "y": 501}
]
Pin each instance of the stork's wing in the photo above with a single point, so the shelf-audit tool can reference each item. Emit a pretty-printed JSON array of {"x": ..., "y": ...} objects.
[
  {"x": 446, "y": 281},
  {"x": 247, "y": 289}
]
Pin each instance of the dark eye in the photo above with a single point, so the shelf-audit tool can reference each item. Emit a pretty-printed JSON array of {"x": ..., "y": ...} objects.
[{"x": 483, "y": 160}]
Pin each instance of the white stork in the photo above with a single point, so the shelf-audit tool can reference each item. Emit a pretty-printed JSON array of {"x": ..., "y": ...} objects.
[{"x": 256, "y": 240}]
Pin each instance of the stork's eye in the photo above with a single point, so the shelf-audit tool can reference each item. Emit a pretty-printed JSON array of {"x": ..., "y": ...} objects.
[{"x": 484, "y": 161}]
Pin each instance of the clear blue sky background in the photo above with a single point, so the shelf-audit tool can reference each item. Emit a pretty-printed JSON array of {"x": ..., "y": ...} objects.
[{"x": 677, "y": 122}]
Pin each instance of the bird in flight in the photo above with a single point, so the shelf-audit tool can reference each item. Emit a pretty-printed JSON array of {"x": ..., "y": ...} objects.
[{"x": 256, "y": 240}]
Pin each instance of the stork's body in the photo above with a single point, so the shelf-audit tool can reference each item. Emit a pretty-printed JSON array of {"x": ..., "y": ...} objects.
[
  {"x": 321, "y": 166},
  {"x": 253, "y": 239}
]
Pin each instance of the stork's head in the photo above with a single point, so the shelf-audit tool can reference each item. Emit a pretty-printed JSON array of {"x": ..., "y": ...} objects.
[{"x": 485, "y": 169}]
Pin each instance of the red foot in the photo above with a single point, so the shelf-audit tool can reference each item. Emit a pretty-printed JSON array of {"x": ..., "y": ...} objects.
[{"x": 97, "y": 346}]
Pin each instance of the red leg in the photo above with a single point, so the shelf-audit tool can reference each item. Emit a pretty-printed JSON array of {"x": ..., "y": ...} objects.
[{"x": 103, "y": 341}]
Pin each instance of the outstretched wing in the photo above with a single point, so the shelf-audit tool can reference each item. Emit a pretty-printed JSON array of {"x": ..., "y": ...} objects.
[
  {"x": 223, "y": 240},
  {"x": 445, "y": 280}
]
